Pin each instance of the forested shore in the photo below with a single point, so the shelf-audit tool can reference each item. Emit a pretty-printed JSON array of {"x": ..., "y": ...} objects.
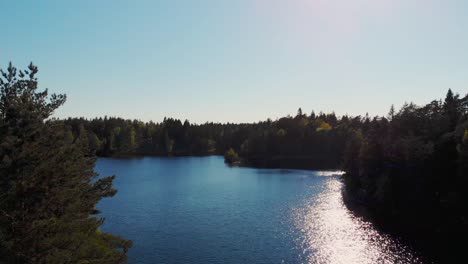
[
  {"x": 410, "y": 172},
  {"x": 314, "y": 141},
  {"x": 409, "y": 169}
]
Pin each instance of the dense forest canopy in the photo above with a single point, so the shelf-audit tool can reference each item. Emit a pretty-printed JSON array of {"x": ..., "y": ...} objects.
[
  {"x": 303, "y": 141},
  {"x": 411, "y": 168},
  {"x": 316, "y": 141},
  {"x": 48, "y": 187}
]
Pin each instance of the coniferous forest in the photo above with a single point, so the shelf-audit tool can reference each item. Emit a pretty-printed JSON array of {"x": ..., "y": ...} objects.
[
  {"x": 304, "y": 141},
  {"x": 48, "y": 187},
  {"x": 409, "y": 169}
]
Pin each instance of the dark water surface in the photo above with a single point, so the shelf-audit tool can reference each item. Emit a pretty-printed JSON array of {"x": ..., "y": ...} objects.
[{"x": 198, "y": 210}]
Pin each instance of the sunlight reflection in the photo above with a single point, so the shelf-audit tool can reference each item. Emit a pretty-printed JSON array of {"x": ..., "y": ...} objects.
[
  {"x": 331, "y": 234},
  {"x": 330, "y": 173}
]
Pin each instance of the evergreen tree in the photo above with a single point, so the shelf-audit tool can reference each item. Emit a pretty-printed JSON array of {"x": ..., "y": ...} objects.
[
  {"x": 299, "y": 112},
  {"x": 451, "y": 108},
  {"x": 391, "y": 112},
  {"x": 312, "y": 115},
  {"x": 48, "y": 186}
]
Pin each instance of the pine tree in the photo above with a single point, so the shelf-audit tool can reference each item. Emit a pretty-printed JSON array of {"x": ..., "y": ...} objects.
[
  {"x": 391, "y": 112},
  {"x": 312, "y": 115},
  {"x": 48, "y": 187},
  {"x": 451, "y": 108},
  {"x": 299, "y": 112}
]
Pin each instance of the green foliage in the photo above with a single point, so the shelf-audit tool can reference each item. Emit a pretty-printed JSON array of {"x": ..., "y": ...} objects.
[
  {"x": 413, "y": 167},
  {"x": 324, "y": 126},
  {"x": 231, "y": 156},
  {"x": 296, "y": 142},
  {"x": 48, "y": 186},
  {"x": 119, "y": 137},
  {"x": 299, "y": 142}
]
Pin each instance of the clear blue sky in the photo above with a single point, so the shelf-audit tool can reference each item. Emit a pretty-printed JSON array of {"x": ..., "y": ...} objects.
[{"x": 238, "y": 60}]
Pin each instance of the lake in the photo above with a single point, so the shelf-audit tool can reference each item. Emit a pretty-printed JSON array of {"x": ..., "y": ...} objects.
[{"x": 199, "y": 210}]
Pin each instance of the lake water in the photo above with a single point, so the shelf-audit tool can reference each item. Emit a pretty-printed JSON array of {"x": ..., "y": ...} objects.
[{"x": 199, "y": 210}]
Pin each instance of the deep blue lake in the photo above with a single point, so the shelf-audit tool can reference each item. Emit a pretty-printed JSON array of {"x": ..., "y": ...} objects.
[{"x": 199, "y": 210}]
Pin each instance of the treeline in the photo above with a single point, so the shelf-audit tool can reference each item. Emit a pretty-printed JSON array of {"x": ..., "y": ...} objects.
[
  {"x": 111, "y": 137},
  {"x": 411, "y": 169},
  {"x": 303, "y": 141}
]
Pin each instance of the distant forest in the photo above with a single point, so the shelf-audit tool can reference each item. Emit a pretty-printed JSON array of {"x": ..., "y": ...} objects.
[
  {"x": 409, "y": 168},
  {"x": 304, "y": 141}
]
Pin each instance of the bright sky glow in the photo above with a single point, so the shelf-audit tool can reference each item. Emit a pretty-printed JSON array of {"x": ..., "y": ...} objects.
[{"x": 239, "y": 61}]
